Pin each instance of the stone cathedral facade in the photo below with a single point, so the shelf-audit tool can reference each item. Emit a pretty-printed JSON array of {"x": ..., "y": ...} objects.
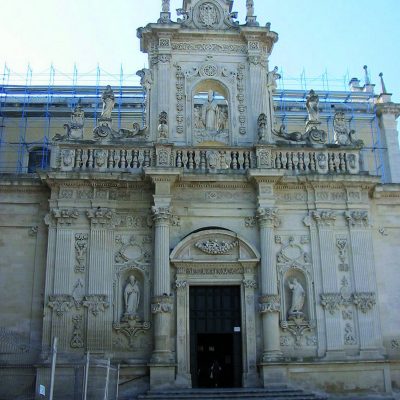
[{"x": 214, "y": 228}]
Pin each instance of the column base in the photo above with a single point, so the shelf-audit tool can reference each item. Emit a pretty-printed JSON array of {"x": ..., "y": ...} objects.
[
  {"x": 162, "y": 376},
  {"x": 162, "y": 357},
  {"x": 272, "y": 356},
  {"x": 271, "y": 374},
  {"x": 251, "y": 380}
]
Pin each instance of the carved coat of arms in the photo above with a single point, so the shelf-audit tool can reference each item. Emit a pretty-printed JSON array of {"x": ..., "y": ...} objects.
[{"x": 208, "y": 15}]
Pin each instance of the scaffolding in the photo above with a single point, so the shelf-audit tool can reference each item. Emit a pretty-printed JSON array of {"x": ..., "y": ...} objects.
[{"x": 42, "y": 103}]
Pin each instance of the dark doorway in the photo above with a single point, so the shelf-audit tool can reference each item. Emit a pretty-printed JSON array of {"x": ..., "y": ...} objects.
[{"x": 215, "y": 336}]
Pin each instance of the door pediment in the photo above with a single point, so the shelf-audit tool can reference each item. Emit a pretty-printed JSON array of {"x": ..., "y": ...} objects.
[{"x": 214, "y": 245}]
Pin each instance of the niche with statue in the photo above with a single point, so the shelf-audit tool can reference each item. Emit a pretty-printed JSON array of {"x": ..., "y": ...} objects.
[
  {"x": 210, "y": 114},
  {"x": 131, "y": 295},
  {"x": 297, "y": 316}
]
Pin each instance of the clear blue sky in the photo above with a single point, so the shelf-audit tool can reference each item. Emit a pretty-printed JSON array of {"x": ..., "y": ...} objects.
[{"x": 337, "y": 36}]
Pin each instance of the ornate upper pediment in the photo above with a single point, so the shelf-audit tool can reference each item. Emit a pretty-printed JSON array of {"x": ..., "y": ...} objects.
[{"x": 208, "y": 14}]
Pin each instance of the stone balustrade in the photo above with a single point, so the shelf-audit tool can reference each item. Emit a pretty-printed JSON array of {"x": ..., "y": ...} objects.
[{"x": 108, "y": 158}]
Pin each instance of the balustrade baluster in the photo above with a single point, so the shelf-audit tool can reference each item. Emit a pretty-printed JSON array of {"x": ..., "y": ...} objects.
[
  {"x": 123, "y": 159},
  {"x": 178, "y": 159},
  {"x": 197, "y": 159},
  {"x": 312, "y": 161},
  {"x": 203, "y": 163},
  {"x": 129, "y": 159},
  {"x": 146, "y": 162},
  {"x": 90, "y": 159},
  {"x": 191, "y": 162},
  {"x": 185, "y": 159}
]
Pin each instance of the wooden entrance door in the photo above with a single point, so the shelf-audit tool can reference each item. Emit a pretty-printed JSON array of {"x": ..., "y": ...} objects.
[{"x": 215, "y": 336}]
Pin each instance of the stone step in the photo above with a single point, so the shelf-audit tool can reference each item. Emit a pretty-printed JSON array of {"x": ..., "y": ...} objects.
[{"x": 282, "y": 393}]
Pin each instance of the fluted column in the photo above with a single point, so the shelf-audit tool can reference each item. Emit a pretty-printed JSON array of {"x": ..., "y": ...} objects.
[
  {"x": 365, "y": 287},
  {"x": 99, "y": 292},
  {"x": 325, "y": 221},
  {"x": 269, "y": 302},
  {"x": 162, "y": 304}
]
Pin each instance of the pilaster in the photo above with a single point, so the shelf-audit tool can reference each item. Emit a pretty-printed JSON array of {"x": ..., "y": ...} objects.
[
  {"x": 365, "y": 288},
  {"x": 388, "y": 112},
  {"x": 325, "y": 221},
  {"x": 99, "y": 289}
]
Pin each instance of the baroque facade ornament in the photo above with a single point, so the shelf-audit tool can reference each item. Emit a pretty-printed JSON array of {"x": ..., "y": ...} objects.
[
  {"x": 357, "y": 218},
  {"x": 103, "y": 217},
  {"x": 76, "y": 341},
  {"x": 215, "y": 247},
  {"x": 250, "y": 283},
  {"x": 81, "y": 244},
  {"x": 324, "y": 217},
  {"x": 162, "y": 304},
  {"x": 131, "y": 328},
  {"x": 364, "y": 301},
  {"x": 96, "y": 303},
  {"x": 60, "y": 303},
  {"x": 65, "y": 216},
  {"x": 268, "y": 217},
  {"x": 331, "y": 302},
  {"x": 269, "y": 303},
  {"x": 343, "y": 136}
]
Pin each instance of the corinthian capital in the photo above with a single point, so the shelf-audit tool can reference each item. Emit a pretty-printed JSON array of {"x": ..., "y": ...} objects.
[
  {"x": 161, "y": 214},
  {"x": 268, "y": 217}
]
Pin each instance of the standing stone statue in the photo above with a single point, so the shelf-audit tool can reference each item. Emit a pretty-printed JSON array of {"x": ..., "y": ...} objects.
[
  {"x": 312, "y": 105},
  {"x": 108, "y": 103},
  {"x": 211, "y": 113},
  {"x": 272, "y": 77},
  {"x": 298, "y": 297},
  {"x": 250, "y": 8},
  {"x": 131, "y": 297}
]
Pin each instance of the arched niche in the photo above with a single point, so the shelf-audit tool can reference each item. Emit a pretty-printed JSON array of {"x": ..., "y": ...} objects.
[
  {"x": 215, "y": 257},
  {"x": 211, "y": 114}
]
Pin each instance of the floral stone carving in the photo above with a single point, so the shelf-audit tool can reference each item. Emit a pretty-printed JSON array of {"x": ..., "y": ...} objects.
[
  {"x": 216, "y": 247},
  {"x": 77, "y": 334},
  {"x": 364, "y": 301},
  {"x": 61, "y": 303},
  {"x": 269, "y": 304},
  {"x": 162, "y": 304},
  {"x": 131, "y": 328},
  {"x": 96, "y": 303}
]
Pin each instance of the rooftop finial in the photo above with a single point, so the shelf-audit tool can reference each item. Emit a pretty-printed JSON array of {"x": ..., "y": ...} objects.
[
  {"x": 250, "y": 8},
  {"x": 165, "y": 6},
  {"x": 383, "y": 87},
  {"x": 367, "y": 80}
]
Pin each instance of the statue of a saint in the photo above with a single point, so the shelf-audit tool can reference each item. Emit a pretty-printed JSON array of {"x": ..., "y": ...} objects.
[
  {"x": 250, "y": 8},
  {"x": 222, "y": 120},
  {"x": 272, "y": 77},
  {"x": 298, "y": 296},
  {"x": 211, "y": 113},
  {"x": 108, "y": 103},
  {"x": 197, "y": 118},
  {"x": 312, "y": 106},
  {"x": 77, "y": 117},
  {"x": 131, "y": 296}
]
